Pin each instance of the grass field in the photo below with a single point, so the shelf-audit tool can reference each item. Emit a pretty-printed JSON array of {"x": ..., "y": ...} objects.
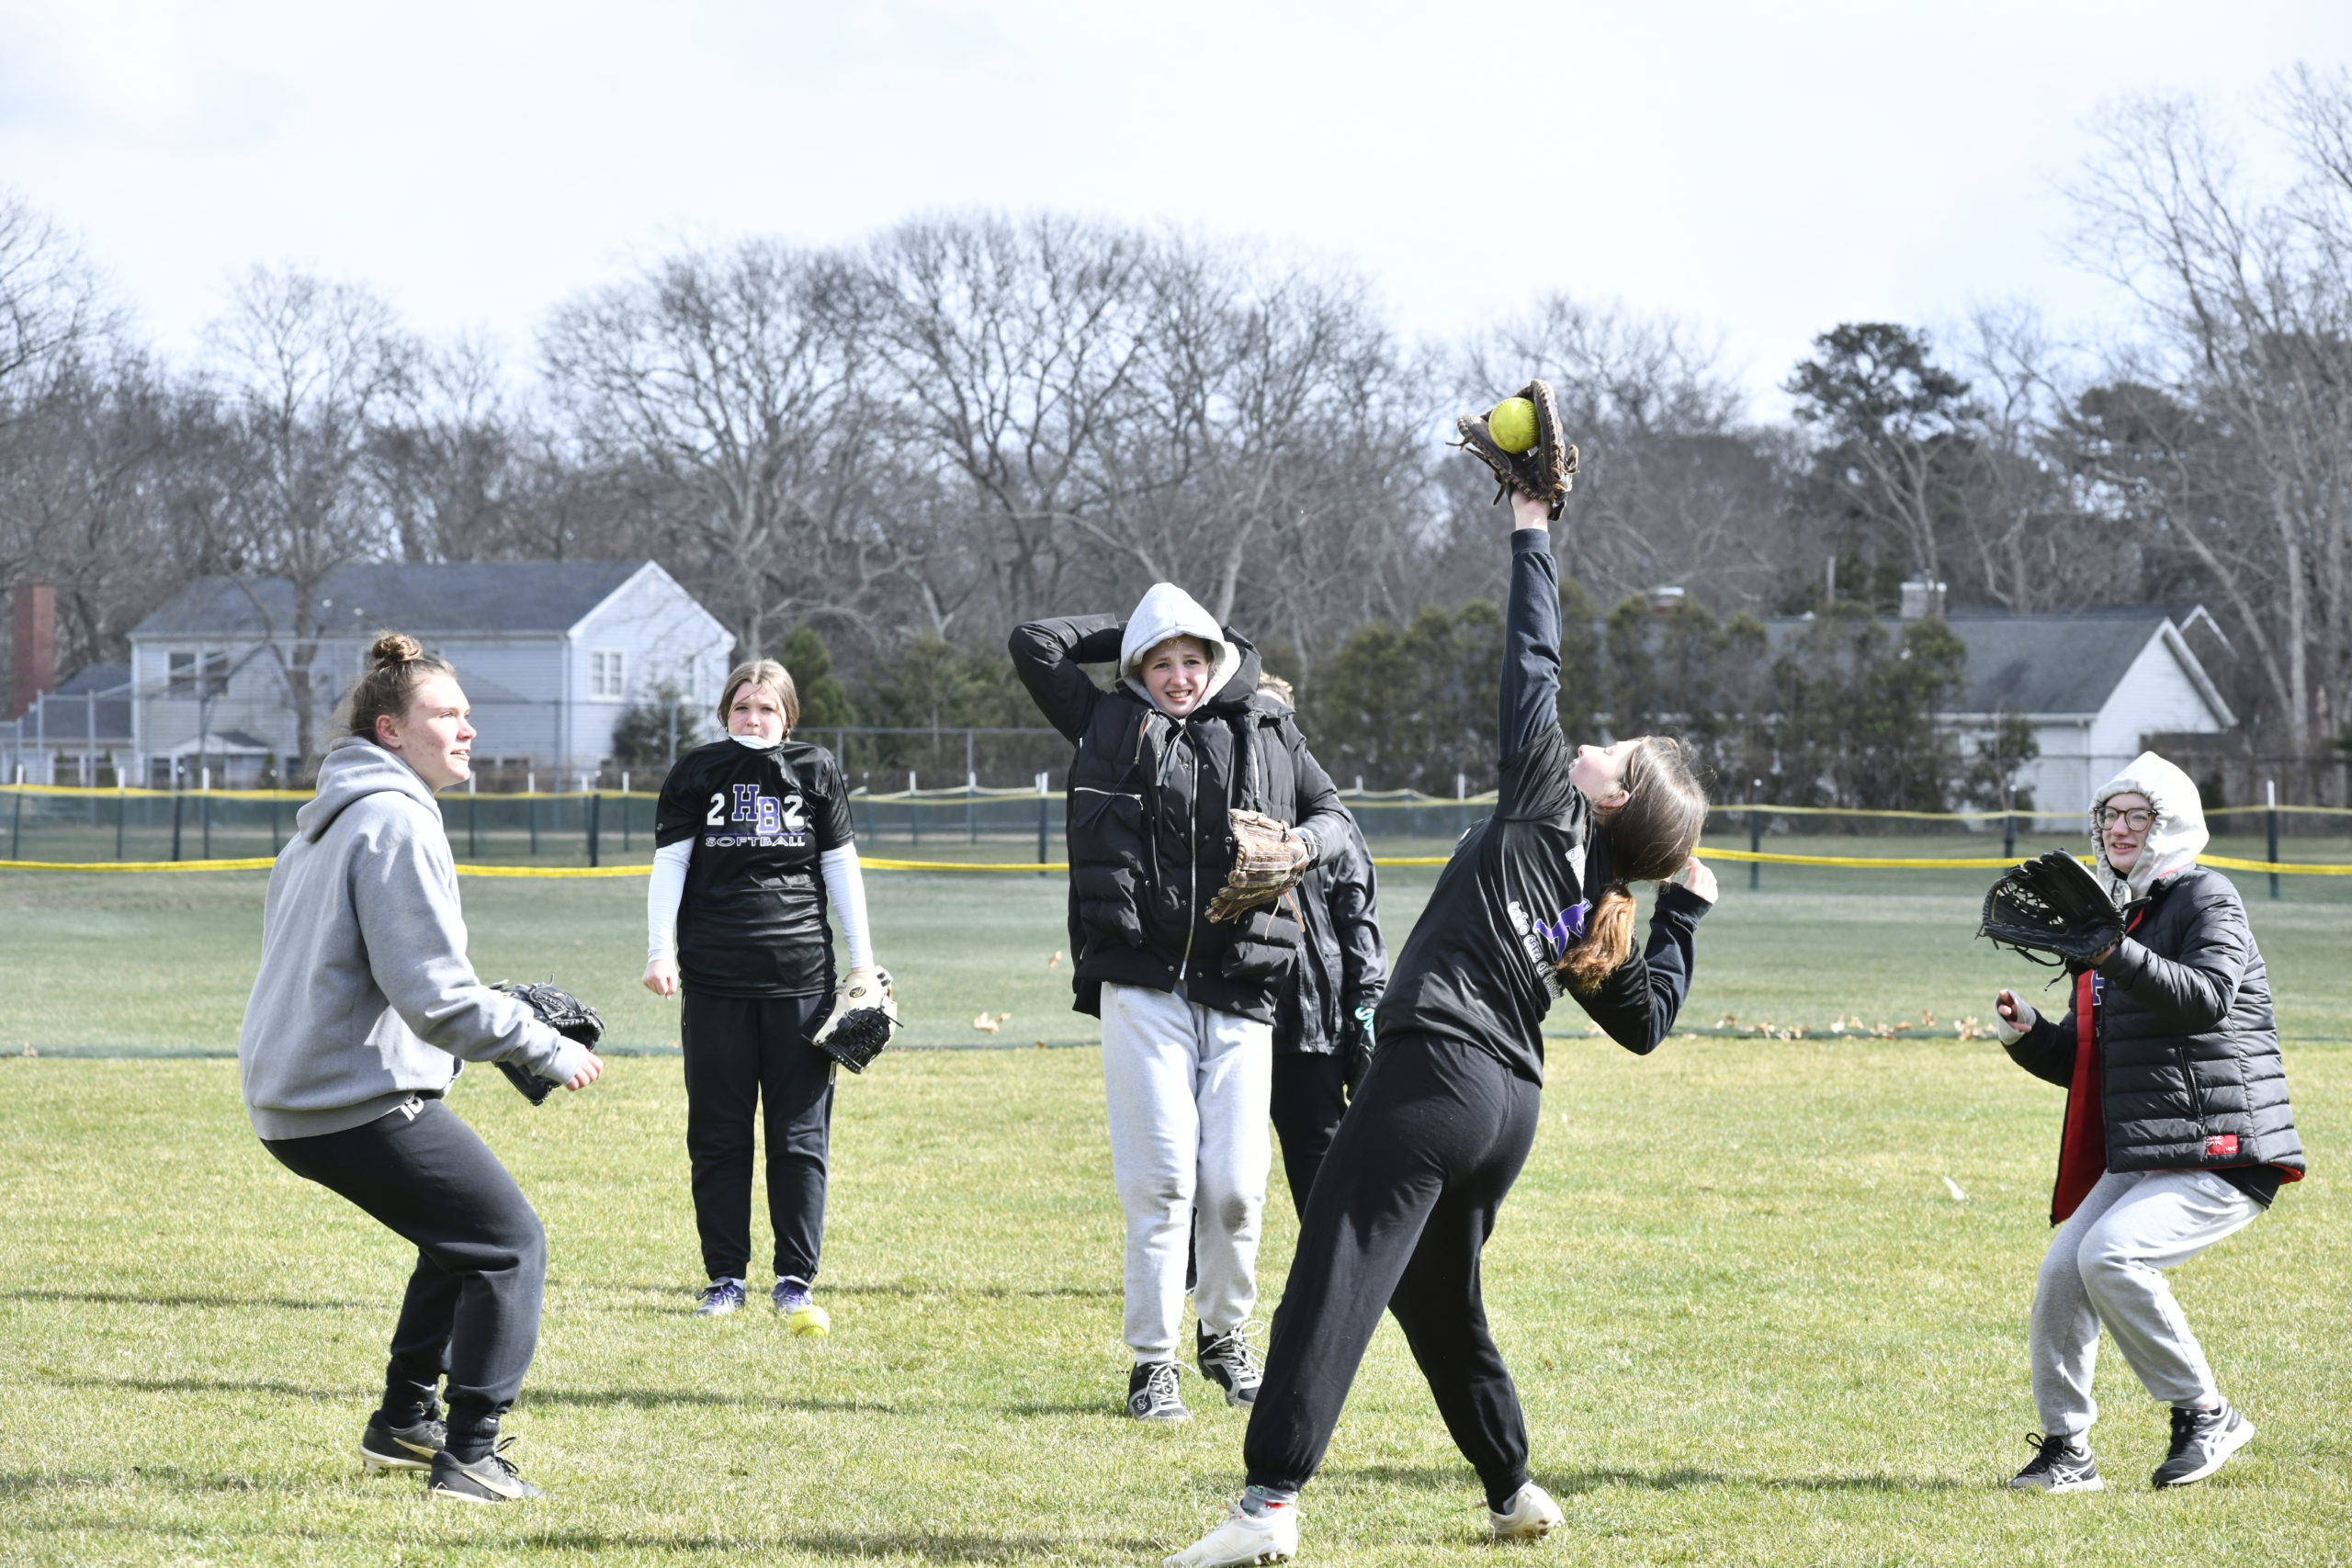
[{"x": 1748, "y": 1319}]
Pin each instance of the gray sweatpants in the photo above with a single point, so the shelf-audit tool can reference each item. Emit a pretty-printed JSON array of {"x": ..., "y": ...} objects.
[
  {"x": 2106, "y": 1266},
  {"x": 1187, "y": 1090}
]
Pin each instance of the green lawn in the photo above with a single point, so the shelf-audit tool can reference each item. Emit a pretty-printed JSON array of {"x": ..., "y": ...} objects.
[{"x": 1749, "y": 1320}]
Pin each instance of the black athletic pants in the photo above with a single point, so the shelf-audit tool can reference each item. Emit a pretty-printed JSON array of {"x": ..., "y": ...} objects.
[
  {"x": 1398, "y": 1214},
  {"x": 741, "y": 1051},
  {"x": 472, "y": 1308},
  {"x": 1310, "y": 1095}
]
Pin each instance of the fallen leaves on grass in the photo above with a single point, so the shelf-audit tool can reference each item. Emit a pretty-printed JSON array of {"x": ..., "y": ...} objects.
[{"x": 989, "y": 1023}]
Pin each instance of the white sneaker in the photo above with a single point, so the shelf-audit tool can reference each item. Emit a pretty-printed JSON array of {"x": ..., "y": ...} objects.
[
  {"x": 1532, "y": 1514},
  {"x": 1244, "y": 1538}
]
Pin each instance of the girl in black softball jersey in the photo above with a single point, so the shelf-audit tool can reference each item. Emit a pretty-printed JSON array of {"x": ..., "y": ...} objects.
[
  {"x": 752, "y": 848},
  {"x": 1534, "y": 904}
]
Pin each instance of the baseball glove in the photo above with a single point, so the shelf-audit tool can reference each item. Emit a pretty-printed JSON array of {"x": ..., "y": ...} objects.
[
  {"x": 2051, "y": 906},
  {"x": 560, "y": 1011},
  {"x": 1545, "y": 471},
  {"x": 865, "y": 1013},
  {"x": 1269, "y": 859}
]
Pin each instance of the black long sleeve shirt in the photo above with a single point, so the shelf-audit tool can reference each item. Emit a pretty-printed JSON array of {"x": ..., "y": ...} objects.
[{"x": 1481, "y": 966}]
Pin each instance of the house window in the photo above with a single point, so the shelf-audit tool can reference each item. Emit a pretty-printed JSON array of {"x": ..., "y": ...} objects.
[
  {"x": 189, "y": 669},
  {"x": 607, "y": 679}
]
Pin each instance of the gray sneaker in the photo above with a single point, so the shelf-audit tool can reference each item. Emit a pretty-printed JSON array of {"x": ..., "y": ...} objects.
[
  {"x": 718, "y": 1298},
  {"x": 1229, "y": 1361},
  {"x": 400, "y": 1447},
  {"x": 2062, "y": 1465},
  {"x": 2202, "y": 1441},
  {"x": 489, "y": 1479},
  {"x": 1151, "y": 1392}
]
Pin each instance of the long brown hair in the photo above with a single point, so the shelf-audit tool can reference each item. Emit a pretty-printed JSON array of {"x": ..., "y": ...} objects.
[
  {"x": 761, "y": 673},
  {"x": 1650, "y": 836},
  {"x": 396, "y": 664}
]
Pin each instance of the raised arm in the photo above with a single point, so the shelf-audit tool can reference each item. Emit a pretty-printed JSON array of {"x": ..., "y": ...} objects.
[
  {"x": 1047, "y": 656},
  {"x": 1530, "y": 683}
]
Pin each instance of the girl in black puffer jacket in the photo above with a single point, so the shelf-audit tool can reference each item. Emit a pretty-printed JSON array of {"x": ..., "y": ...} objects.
[{"x": 2178, "y": 1129}]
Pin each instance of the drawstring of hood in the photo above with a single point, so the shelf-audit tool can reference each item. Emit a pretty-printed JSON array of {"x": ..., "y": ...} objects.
[{"x": 2176, "y": 838}]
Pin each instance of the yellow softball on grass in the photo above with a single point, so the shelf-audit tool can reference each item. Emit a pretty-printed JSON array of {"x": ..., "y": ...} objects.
[{"x": 1512, "y": 425}]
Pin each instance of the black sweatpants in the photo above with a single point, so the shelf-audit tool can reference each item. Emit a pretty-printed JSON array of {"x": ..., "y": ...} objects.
[
  {"x": 1310, "y": 1095},
  {"x": 1398, "y": 1214},
  {"x": 471, "y": 1311},
  {"x": 741, "y": 1052}
]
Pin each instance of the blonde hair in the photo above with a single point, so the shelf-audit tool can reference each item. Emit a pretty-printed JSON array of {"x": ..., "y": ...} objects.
[
  {"x": 1275, "y": 686},
  {"x": 1650, "y": 837},
  {"x": 398, "y": 663},
  {"x": 761, "y": 673}
]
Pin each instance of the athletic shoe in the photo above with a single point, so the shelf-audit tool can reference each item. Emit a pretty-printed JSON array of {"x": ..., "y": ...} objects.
[
  {"x": 400, "y": 1447},
  {"x": 2063, "y": 1465},
  {"x": 1151, "y": 1392},
  {"x": 1532, "y": 1514},
  {"x": 1268, "y": 1536},
  {"x": 1229, "y": 1361},
  {"x": 489, "y": 1479},
  {"x": 719, "y": 1298},
  {"x": 2202, "y": 1441},
  {"x": 802, "y": 1316}
]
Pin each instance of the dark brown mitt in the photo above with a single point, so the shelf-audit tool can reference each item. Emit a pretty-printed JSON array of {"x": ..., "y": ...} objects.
[{"x": 1545, "y": 471}]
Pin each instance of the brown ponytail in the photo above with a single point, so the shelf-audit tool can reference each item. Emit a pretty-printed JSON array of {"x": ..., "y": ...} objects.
[
  {"x": 1650, "y": 836},
  {"x": 397, "y": 662}
]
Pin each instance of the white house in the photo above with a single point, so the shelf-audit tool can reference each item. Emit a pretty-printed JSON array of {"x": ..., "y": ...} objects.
[
  {"x": 2094, "y": 683},
  {"x": 549, "y": 653}
]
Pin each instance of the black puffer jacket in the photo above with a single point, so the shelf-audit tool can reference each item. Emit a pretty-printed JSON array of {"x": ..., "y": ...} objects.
[
  {"x": 1341, "y": 965},
  {"x": 2189, "y": 1072},
  {"x": 1150, "y": 838}
]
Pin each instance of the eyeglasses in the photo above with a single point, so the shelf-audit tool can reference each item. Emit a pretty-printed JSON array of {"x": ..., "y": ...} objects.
[{"x": 2138, "y": 820}]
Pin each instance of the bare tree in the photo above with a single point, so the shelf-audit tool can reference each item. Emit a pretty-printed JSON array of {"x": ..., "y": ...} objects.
[
  {"x": 306, "y": 368},
  {"x": 726, "y": 385},
  {"x": 2243, "y": 451}
]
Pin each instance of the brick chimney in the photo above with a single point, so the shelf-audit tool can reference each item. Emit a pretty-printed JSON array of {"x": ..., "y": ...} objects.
[{"x": 34, "y": 649}]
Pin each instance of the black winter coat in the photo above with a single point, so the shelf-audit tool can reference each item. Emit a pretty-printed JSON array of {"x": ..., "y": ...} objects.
[
  {"x": 2189, "y": 1071},
  {"x": 1150, "y": 841},
  {"x": 1341, "y": 964}
]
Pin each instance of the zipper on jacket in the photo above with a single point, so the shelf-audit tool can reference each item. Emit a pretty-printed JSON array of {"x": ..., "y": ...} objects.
[
  {"x": 2195, "y": 1094},
  {"x": 1191, "y": 868}
]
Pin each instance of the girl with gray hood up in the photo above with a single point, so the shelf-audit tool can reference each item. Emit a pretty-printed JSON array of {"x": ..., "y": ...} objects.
[{"x": 365, "y": 1007}]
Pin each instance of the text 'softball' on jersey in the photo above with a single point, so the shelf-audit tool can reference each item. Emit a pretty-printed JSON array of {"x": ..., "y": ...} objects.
[{"x": 753, "y": 921}]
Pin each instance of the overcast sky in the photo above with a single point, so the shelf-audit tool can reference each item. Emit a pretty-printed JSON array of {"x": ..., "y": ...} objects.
[{"x": 1766, "y": 170}]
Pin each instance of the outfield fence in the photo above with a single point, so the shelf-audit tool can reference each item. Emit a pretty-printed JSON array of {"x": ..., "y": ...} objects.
[{"x": 596, "y": 833}]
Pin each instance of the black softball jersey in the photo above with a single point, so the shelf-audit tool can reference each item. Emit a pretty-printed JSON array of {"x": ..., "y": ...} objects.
[
  {"x": 753, "y": 921},
  {"x": 1481, "y": 967}
]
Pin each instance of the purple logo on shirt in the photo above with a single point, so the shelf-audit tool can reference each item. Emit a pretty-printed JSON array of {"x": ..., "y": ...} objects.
[{"x": 1558, "y": 934}]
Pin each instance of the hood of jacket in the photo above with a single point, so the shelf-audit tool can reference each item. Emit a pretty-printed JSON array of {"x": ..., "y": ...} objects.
[
  {"x": 2175, "y": 839},
  {"x": 355, "y": 768},
  {"x": 1167, "y": 611}
]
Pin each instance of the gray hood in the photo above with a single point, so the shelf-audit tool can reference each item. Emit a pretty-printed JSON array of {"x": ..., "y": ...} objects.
[
  {"x": 2176, "y": 838},
  {"x": 355, "y": 768},
  {"x": 1168, "y": 611}
]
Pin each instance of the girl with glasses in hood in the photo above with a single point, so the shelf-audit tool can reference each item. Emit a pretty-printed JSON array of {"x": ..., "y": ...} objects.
[
  {"x": 2177, "y": 1132},
  {"x": 363, "y": 1008},
  {"x": 1536, "y": 903},
  {"x": 1178, "y": 741}
]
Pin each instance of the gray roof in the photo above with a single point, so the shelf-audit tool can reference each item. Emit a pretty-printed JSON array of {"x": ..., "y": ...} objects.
[
  {"x": 94, "y": 678},
  {"x": 428, "y": 597},
  {"x": 2060, "y": 662},
  {"x": 2068, "y": 662}
]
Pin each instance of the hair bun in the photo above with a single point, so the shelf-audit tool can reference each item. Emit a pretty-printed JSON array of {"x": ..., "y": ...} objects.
[{"x": 396, "y": 647}]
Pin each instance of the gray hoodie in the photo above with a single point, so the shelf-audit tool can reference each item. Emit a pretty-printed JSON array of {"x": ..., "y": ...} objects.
[{"x": 365, "y": 996}]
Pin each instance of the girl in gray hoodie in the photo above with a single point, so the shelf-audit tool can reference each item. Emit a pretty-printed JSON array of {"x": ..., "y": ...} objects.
[{"x": 365, "y": 1007}]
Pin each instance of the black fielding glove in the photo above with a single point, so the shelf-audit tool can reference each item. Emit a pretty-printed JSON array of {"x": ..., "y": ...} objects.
[{"x": 560, "y": 1011}]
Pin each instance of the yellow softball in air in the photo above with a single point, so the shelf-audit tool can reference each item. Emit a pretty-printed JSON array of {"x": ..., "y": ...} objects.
[{"x": 1512, "y": 425}]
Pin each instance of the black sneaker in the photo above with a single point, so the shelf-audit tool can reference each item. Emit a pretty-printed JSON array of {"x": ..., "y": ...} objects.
[
  {"x": 1151, "y": 1392},
  {"x": 489, "y": 1479},
  {"x": 1229, "y": 1361},
  {"x": 410, "y": 1446},
  {"x": 2202, "y": 1441},
  {"x": 2063, "y": 1465}
]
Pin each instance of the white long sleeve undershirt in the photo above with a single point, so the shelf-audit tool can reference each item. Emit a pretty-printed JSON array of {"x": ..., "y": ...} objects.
[{"x": 844, "y": 890}]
